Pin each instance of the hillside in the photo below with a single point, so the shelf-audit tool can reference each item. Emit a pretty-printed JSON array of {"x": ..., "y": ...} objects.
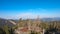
[{"x": 6, "y": 22}]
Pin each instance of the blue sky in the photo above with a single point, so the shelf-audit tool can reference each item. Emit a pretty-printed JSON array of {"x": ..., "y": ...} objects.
[{"x": 13, "y": 9}]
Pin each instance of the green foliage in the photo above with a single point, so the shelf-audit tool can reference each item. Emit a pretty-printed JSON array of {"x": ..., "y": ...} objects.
[
  {"x": 6, "y": 29},
  {"x": 33, "y": 32},
  {"x": 11, "y": 31},
  {"x": 44, "y": 25},
  {"x": 2, "y": 31}
]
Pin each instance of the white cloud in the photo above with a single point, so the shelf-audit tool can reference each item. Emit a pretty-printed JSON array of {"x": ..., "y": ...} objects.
[{"x": 27, "y": 15}]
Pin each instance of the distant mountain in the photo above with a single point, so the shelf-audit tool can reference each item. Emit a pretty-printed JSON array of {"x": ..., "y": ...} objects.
[
  {"x": 51, "y": 19},
  {"x": 57, "y": 18},
  {"x": 5, "y": 22}
]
